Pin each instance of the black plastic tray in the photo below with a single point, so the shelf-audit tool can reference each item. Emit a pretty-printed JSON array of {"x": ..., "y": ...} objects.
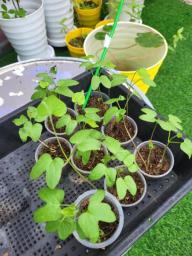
[{"x": 20, "y": 236}]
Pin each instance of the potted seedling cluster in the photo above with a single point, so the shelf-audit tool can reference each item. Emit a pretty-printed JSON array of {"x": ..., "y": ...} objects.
[{"x": 97, "y": 142}]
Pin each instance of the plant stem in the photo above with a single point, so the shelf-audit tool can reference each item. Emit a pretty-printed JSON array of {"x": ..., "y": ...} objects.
[
  {"x": 165, "y": 149},
  {"x": 14, "y": 5},
  {"x": 68, "y": 158},
  {"x": 135, "y": 146},
  {"x": 44, "y": 144},
  {"x": 150, "y": 150}
]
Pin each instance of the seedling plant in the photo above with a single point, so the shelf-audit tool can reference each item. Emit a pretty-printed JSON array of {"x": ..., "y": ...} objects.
[{"x": 15, "y": 12}]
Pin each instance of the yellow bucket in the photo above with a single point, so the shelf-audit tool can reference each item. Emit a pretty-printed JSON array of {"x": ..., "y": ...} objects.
[
  {"x": 103, "y": 23},
  {"x": 88, "y": 17},
  {"x": 75, "y": 51},
  {"x": 129, "y": 59}
]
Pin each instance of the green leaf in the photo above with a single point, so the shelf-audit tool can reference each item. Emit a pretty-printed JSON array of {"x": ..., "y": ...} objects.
[
  {"x": 186, "y": 147},
  {"x": 95, "y": 82},
  {"x": 102, "y": 212},
  {"x": 49, "y": 212},
  {"x": 20, "y": 121},
  {"x": 39, "y": 94},
  {"x": 35, "y": 132},
  {"x": 50, "y": 106},
  {"x": 149, "y": 116},
  {"x": 98, "y": 172},
  {"x": 83, "y": 135},
  {"x": 118, "y": 79},
  {"x": 67, "y": 82},
  {"x": 40, "y": 167},
  {"x": 52, "y": 226},
  {"x": 53, "y": 70},
  {"x": 121, "y": 188},
  {"x": 149, "y": 39},
  {"x": 167, "y": 126},
  {"x": 46, "y": 78},
  {"x": 63, "y": 121},
  {"x": 4, "y": 7},
  {"x": 115, "y": 100},
  {"x": 175, "y": 121},
  {"x": 63, "y": 90},
  {"x": 85, "y": 157},
  {"x": 78, "y": 98},
  {"x": 54, "y": 171},
  {"x": 43, "y": 84},
  {"x": 107, "y": 28},
  {"x": 100, "y": 35},
  {"x": 109, "y": 114},
  {"x": 98, "y": 196},
  {"x": 66, "y": 228},
  {"x": 131, "y": 185},
  {"x": 89, "y": 225},
  {"x": 112, "y": 145},
  {"x": 144, "y": 76},
  {"x": 89, "y": 145},
  {"x": 133, "y": 168},
  {"x": 32, "y": 112},
  {"x": 51, "y": 195},
  {"x": 70, "y": 127},
  {"x": 91, "y": 110},
  {"x": 110, "y": 174},
  {"x": 105, "y": 81}
]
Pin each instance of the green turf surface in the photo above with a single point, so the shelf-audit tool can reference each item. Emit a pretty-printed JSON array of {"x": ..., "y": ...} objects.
[{"x": 172, "y": 235}]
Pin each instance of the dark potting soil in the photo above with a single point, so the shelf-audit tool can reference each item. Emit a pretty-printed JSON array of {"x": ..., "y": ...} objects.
[
  {"x": 118, "y": 130},
  {"x": 95, "y": 102},
  {"x": 107, "y": 229},
  {"x": 55, "y": 119},
  {"x": 129, "y": 199},
  {"x": 95, "y": 158},
  {"x": 78, "y": 41},
  {"x": 54, "y": 150},
  {"x": 156, "y": 166},
  {"x": 88, "y": 4}
]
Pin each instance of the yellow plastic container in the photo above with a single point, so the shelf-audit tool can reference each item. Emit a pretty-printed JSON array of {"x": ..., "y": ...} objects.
[
  {"x": 103, "y": 23},
  {"x": 88, "y": 17},
  {"x": 75, "y": 51},
  {"x": 127, "y": 59}
]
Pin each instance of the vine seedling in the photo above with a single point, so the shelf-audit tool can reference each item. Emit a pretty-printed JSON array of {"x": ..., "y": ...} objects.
[{"x": 10, "y": 13}]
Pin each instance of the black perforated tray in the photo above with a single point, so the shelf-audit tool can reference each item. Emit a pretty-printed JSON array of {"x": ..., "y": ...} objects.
[{"x": 20, "y": 236}]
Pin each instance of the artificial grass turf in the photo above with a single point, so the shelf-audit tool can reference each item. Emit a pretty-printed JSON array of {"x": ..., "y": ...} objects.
[{"x": 172, "y": 235}]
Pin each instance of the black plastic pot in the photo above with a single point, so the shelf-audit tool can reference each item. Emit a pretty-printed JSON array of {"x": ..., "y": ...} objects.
[{"x": 20, "y": 236}]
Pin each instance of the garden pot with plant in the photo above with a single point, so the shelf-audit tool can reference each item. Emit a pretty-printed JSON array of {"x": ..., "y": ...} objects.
[
  {"x": 88, "y": 150},
  {"x": 100, "y": 206},
  {"x": 75, "y": 41},
  {"x": 117, "y": 124},
  {"x": 154, "y": 158},
  {"x": 63, "y": 126},
  {"x": 97, "y": 100},
  {"x": 23, "y": 23},
  {"x": 59, "y": 20},
  {"x": 128, "y": 187},
  {"x": 88, "y": 12},
  {"x": 133, "y": 46}
]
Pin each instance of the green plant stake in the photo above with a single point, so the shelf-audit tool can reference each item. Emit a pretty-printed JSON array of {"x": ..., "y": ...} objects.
[{"x": 105, "y": 50}]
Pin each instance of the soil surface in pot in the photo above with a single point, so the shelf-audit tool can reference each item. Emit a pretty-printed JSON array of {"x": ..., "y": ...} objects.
[
  {"x": 95, "y": 102},
  {"x": 156, "y": 166},
  {"x": 54, "y": 150},
  {"x": 95, "y": 158},
  {"x": 78, "y": 41},
  {"x": 88, "y": 4},
  {"x": 129, "y": 199},
  {"x": 108, "y": 229},
  {"x": 118, "y": 130},
  {"x": 55, "y": 119}
]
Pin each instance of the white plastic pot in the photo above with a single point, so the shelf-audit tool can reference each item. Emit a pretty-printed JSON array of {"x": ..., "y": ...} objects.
[
  {"x": 169, "y": 155},
  {"x": 144, "y": 191},
  {"x": 55, "y": 11},
  {"x": 27, "y": 35},
  {"x": 51, "y": 139},
  {"x": 117, "y": 208}
]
